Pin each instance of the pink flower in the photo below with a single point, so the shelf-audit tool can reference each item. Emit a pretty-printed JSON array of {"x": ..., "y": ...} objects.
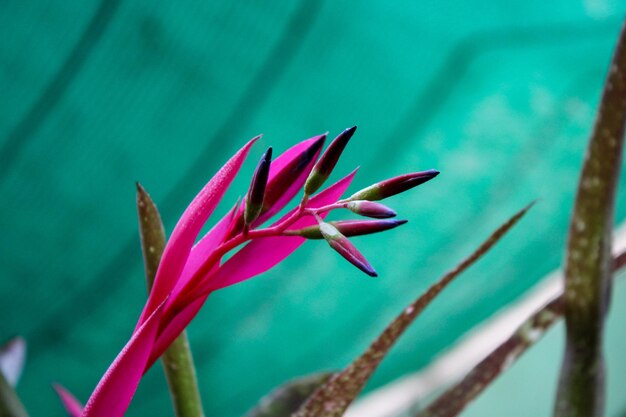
[{"x": 189, "y": 272}]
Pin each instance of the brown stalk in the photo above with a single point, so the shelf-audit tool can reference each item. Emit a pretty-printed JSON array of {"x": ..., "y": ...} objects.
[
  {"x": 454, "y": 399},
  {"x": 588, "y": 265},
  {"x": 334, "y": 397}
]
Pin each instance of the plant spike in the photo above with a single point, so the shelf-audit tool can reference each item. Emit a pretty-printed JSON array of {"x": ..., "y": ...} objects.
[
  {"x": 177, "y": 360},
  {"x": 256, "y": 194},
  {"x": 370, "y": 209},
  {"x": 393, "y": 186},
  {"x": 348, "y": 228},
  {"x": 324, "y": 166},
  {"x": 455, "y": 398},
  {"x": 334, "y": 397},
  {"x": 345, "y": 248},
  {"x": 588, "y": 259}
]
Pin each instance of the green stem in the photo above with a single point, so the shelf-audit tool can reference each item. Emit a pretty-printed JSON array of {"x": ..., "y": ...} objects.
[
  {"x": 10, "y": 404},
  {"x": 177, "y": 359},
  {"x": 588, "y": 259}
]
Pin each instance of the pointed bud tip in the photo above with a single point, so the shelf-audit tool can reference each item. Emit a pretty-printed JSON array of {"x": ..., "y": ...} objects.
[
  {"x": 256, "y": 193},
  {"x": 321, "y": 138},
  {"x": 371, "y": 272},
  {"x": 317, "y": 144},
  {"x": 347, "y": 134},
  {"x": 141, "y": 193}
]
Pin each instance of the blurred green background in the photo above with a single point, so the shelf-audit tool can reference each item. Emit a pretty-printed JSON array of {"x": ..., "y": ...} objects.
[{"x": 499, "y": 96}]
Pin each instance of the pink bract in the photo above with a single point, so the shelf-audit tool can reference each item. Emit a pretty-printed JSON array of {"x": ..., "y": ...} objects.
[{"x": 187, "y": 274}]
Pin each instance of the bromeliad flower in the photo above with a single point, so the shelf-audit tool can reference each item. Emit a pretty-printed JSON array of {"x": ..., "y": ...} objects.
[{"x": 189, "y": 272}]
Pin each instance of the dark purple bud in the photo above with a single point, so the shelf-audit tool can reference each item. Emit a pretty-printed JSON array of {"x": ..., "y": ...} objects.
[
  {"x": 345, "y": 248},
  {"x": 284, "y": 184},
  {"x": 290, "y": 178},
  {"x": 348, "y": 228},
  {"x": 394, "y": 186},
  {"x": 370, "y": 209},
  {"x": 324, "y": 166},
  {"x": 256, "y": 193}
]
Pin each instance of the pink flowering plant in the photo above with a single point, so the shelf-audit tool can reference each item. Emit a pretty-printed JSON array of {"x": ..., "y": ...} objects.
[
  {"x": 189, "y": 272},
  {"x": 185, "y": 270}
]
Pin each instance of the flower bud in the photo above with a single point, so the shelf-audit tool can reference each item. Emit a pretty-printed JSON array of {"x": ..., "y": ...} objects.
[
  {"x": 290, "y": 178},
  {"x": 284, "y": 184},
  {"x": 324, "y": 166},
  {"x": 348, "y": 228},
  {"x": 256, "y": 193},
  {"x": 345, "y": 248},
  {"x": 370, "y": 209},
  {"x": 394, "y": 185}
]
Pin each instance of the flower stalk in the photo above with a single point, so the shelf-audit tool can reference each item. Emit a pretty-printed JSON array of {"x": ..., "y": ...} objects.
[{"x": 588, "y": 259}]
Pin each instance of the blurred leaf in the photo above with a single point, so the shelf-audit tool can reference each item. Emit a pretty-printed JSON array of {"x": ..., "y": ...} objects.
[
  {"x": 287, "y": 398},
  {"x": 12, "y": 359},
  {"x": 10, "y": 404},
  {"x": 588, "y": 260},
  {"x": 334, "y": 397},
  {"x": 454, "y": 399}
]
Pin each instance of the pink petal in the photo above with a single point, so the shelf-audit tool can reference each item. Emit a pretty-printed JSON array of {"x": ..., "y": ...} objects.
[
  {"x": 173, "y": 329},
  {"x": 117, "y": 387},
  {"x": 290, "y": 154},
  {"x": 186, "y": 231},
  {"x": 72, "y": 406},
  {"x": 262, "y": 254},
  {"x": 203, "y": 249},
  {"x": 258, "y": 256}
]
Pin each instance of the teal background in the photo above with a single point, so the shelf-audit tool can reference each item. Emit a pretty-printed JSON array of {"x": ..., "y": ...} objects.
[{"x": 499, "y": 96}]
